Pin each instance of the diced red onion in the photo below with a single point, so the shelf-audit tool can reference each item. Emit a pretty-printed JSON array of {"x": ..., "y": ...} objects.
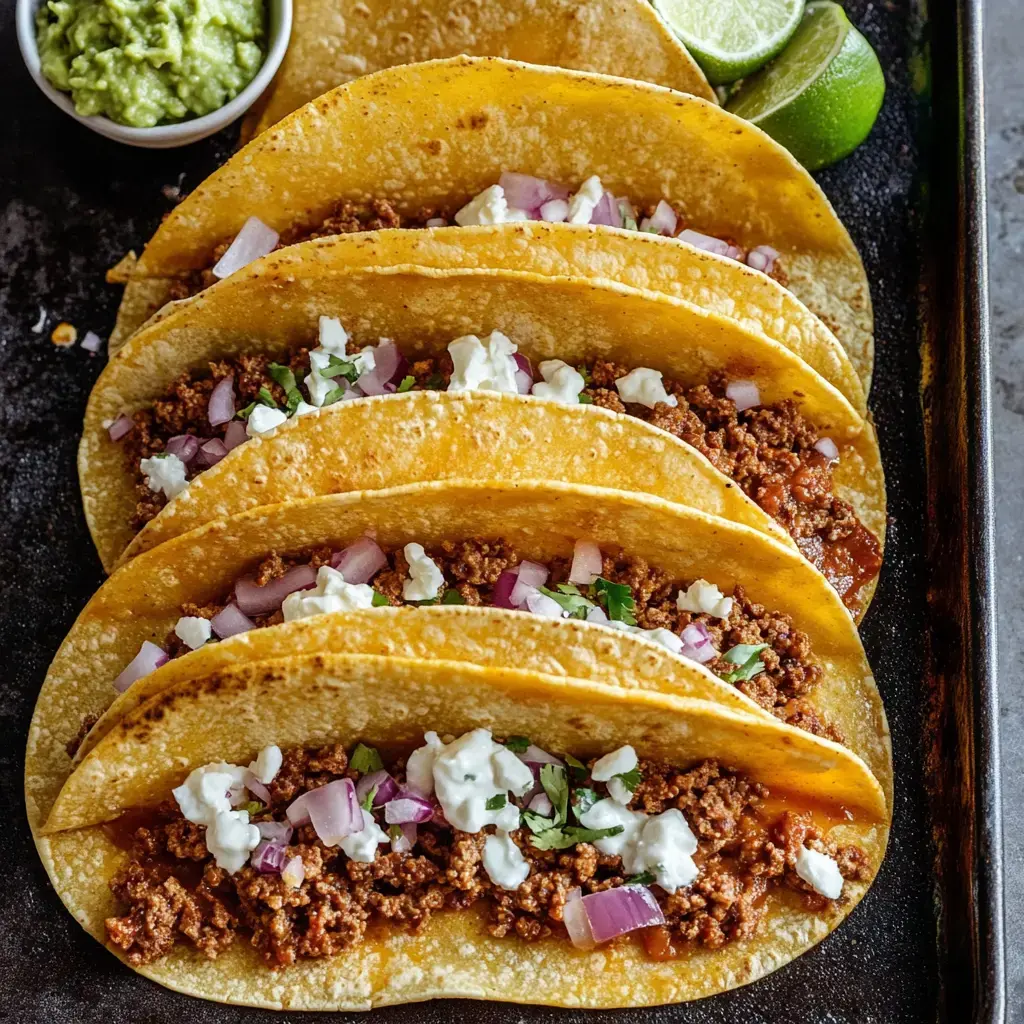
[
  {"x": 407, "y": 840},
  {"x": 211, "y": 452},
  {"x": 501, "y": 596},
  {"x": 535, "y": 757},
  {"x": 524, "y": 373},
  {"x": 257, "y": 788},
  {"x": 333, "y": 810},
  {"x": 706, "y": 242},
  {"x": 221, "y": 406},
  {"x": 149, "y": 659},
  {"x": 597, "y": 614},
  {"x": 183, "y": 446},
  {"x": 827, "y": 447},
  {"x": 663, "y": 221},
  {"x": 614, "y": 912},
  {"x": 92, "y": 342},
  {"x": 387, "y": 788},
  {"x": 744, "y": 393},
  {"x": 255, "y": 239},
  {"x": 531, "y": 575},
  {"x": 607, "y": 212},
  {"x": 697, "y": 644},
  {"x": 230, "y": 621},
  {"x": 734, "y": 252},
  {"x": 577, "y": 924},
  {"x": 294, "y": 872},
  {"x": 587, "y": 562},
  {"x": 269, "y": 857},
  {"x": 121, "y": 426},
  {"x": 276, "y": 831},
  {"x": 408, "y": 808},
  {"x": 235, "y": 435},
  {"x": 387, "y": 364},
  {"x": 436, "y": 222},
  {"x": 361, "y": 561},
  {"x": 256, "y": 600},
  {"x": 542, "y": 804},
  {"x": 525, "y": 192},
  {"x": 297, "y": 812},
  {"x": 762, "y": 257}
]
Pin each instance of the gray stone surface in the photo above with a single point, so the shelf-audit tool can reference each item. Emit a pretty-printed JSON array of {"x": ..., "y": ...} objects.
[{"x": 1004, "y": 39}]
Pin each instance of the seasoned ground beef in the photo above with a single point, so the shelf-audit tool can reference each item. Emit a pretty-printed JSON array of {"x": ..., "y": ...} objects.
[
  {"x": 472, "y": 567},
  {"x": 768, "y": 450},
  {"x": 171, "y": 890}
]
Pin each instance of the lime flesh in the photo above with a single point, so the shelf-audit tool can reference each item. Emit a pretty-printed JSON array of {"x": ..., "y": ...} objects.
[
  {"x": 822, "y": 95},
  {"x": 731, "y": 38}
]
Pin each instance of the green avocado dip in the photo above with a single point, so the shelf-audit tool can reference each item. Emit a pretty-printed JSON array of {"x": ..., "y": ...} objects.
[{"x": 144, "y": 62}]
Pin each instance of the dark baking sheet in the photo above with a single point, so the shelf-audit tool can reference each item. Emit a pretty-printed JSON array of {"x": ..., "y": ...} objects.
[{"x": 926, "y": 942}]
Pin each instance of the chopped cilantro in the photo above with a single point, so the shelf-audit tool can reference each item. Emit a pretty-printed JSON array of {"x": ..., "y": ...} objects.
[
  {"x": 254, "y": 807},
  {"x": 644, "y": 878},
  {"x": 243, "y": 414},
  {"x": 584, "y": 372},
  {"x": 294, "y": 398},
  {"x": 435, "y": 382},
  {"x": 630, "y": 779},
  {"x": 585, "y": 399},
  {"x": 497, "y": 802},
  {"x": 367, "y": 804},
  {"x": 395, "y": 832},
  {"x": 563, "y": 838},
  {"x": 408, "y": 383},
  {"x": 583, "y": 800},
  {"x": 537, "y": 823},
  {"x": 569, "y": 599},
  {"x": 379, "y": 600},
  {"x": 427, "y": 603},
  {"x": 338, "y": 367},
  {"x": 555, "y": 781},
  {"x": 283, "y": 376},
  {"x": 578, "y": 769},
  {"x": 267, "y": 398},
  {"x": 628, "y": 223},
  {"x": 452, "y": 596},
  {"x": 517, "y": 744},
  {"x": 745, "y": 656},
  {"x": 334, "y": 395},
  {"x": 365, "y": 759},
  {"x": 617, "y": 599}
]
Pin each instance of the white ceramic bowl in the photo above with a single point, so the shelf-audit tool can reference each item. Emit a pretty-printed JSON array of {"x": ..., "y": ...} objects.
[{"x": 165, "y": 136}]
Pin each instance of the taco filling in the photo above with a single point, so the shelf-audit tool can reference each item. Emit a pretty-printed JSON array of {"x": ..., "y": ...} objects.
[
  {"x": 307, "y": 850},
  {"x": 756, "y": 649},
  {"x": 514, "y": 199},
  {"x": 771, "y": 451}
]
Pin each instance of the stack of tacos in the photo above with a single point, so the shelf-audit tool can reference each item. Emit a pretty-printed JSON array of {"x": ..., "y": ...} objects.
[{"x": 489, "y": 495}]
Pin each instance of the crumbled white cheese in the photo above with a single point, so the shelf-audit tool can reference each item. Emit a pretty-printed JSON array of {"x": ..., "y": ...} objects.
[
  {"x": 561, "y": 383},
  {"x": 302, "y": 408},
  {"x": 419, "y": 768},
  {"x": 362, "y": 845},
  {"x": 165, "y": 472},
  {"x": 546, "y": 607},
  {"x": 331, "y": 594},
  {"x": 581, "y": 206},
  {"x": 662, "y": 636},
  {"x": 665, "y": 848},
  {"x": 504, "y": 862},
  {"x": 483, "y": 366},
  {"x": 333, "y": 342},
  {"x": 263, "y": 419},
  {"x": 425, "y": 579},
  {"x": 819, "y": 871},
  {"x": 193, "y": 631},
  {"x": 555, "y": 211},
  {"x": 619, "y": 791},
  {"x": 231, "y": 839},
  {"x": 644, "y": 386},
  {"x": 267, "y": 764},
  {"x": 618, "y": 762},
  {"x": 610, "y": 814},
  {"x": 333, "y": 337},
  {"x": 472, "y": 771},
  {"x": 489, "y": 207},
  {"x": 701, "y": 596}
]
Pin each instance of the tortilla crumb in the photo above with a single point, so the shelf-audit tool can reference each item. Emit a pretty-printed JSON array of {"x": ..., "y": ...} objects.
[
  {"x": 64, "y": 334},
  {"x": 122, "y": 270}
]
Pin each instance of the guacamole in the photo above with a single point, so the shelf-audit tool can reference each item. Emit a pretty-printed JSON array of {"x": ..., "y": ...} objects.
[{"x": 145, "y": 62}]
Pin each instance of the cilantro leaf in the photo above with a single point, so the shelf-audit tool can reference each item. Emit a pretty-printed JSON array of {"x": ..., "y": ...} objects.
[
  {"x": 496, "y": 802},
  {"x": 452, "y": 596},
  {"x": 517, "y": 744},
  {"x": 367, "y": 804},
  {"x": 585, "y": 399},
  {"x": 338, "y": 367},
  {"x": 427, "y": 603},
  {"x": 537, "y": 823},
  {"x": 571, "y": 835},
  {"x": 283, "y": 376},
  {"x": 630, "y": 779},
  {"x": 583, "y": 800},
  {"x": 554, "y": 779},
  {"x": 334, "y": 395},
  {"x": 254, "y": 807},
  {"x": 577, "y": 768},
  {"x": 617, "y": 599},
  {"x": 365, "y": 759},
  {"x": 379, "y": 600},
  {"x": 644, "y": 878},
  {"x": 407, "y": 384},
  {"x": 435, "y": 382},
  {"x": 395, "y": 832},
  {"x": 584, "y": 371},
  {"x": 745, "y": 656},
  {"x": 569, "y": 599},
  {"x": 267, "y": 398},
  {"x": 243, "y": 414},
  {"x": 294, "y": 398}
]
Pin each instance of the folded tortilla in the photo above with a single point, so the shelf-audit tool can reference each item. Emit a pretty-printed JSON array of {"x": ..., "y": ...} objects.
[{"x": 488, "y": 115}]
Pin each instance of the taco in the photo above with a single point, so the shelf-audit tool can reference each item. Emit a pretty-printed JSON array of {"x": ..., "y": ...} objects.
[
  {"x": 744, "y": 405},
  {"x": 408, "y": 830},
  {"x": 505, "y": 142},
  {"x": 334, "y": 41},
  {"x": 655, "y": 595}
]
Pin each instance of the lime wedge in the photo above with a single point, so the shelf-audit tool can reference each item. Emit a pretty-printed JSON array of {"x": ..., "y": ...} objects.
[
  {"x": 731, "y": 38},
  {"x": 822, "y": 95}
]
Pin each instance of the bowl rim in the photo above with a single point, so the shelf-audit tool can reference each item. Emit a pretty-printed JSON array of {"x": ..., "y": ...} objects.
[{"x": 165, "y": 135}]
